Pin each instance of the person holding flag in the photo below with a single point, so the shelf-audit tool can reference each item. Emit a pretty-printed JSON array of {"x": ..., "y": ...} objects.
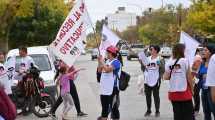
[{"x": 109, "y": 84}]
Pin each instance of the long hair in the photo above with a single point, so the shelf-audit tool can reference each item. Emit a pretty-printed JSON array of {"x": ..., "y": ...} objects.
[{"x": 178, "y": 51}]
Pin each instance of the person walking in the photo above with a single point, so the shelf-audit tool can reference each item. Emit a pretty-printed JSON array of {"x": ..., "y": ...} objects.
[
  {"x": 152, "y": 75},
  {"x": 73, "y": 92},
  {"x": 110, "y": 69},
  {"x": 177, "y": 71},
  {"x": 64, "y": 79},
  {"x": 208, "y": 51}
]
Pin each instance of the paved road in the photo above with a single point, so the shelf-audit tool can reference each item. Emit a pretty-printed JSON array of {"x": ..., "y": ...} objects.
[{"x": 133, "y": 106}]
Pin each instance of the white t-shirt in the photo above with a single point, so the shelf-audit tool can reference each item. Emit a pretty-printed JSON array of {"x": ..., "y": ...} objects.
[
  {"x": 24, "y": 64},
  {"x": 108, "y": 79},
  {"x": 151, "y": 73},
  {"x": 210, "y": 79},
  {"x": 178, "y": 80},
  {"x": 4, "y": 80}
]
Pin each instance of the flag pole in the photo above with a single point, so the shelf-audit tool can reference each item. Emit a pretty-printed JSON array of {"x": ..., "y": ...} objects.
[{"x": 94, "y": 32}]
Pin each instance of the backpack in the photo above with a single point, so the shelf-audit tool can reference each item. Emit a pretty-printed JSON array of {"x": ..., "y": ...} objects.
[
  {"x": 8, "y": 109},
  {"x": 123, "y": 80}
]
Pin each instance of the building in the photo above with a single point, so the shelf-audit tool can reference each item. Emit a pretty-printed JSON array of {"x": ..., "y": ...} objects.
[{"x": 121, "y": 19}]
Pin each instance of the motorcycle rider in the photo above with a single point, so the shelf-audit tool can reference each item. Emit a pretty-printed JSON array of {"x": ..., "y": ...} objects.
[{"x": 24, "y": 64}]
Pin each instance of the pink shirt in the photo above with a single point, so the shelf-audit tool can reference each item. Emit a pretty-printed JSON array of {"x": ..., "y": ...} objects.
[{"x": 65, "y": 84}]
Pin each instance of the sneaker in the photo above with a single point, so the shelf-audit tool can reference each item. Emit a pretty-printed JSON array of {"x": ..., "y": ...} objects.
[
  {"x": 99, "y": 118},
  {"x": 196, "y": 113},
  {"x": 66, "y": 117},
  {"x": 157, "y": 114},
  {"x": 81, "y": 114},
  {"x": 148, "y": 113},
  {"x": 53, "y": 116}
]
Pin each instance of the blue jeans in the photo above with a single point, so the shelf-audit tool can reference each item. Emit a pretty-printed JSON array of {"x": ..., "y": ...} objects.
[
  {"x": 205, "y": 104},
  {"x": 212, "y": 105}
]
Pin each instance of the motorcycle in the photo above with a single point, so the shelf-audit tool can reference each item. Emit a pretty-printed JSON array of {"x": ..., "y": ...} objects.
[{"x": 29, "y": 93}]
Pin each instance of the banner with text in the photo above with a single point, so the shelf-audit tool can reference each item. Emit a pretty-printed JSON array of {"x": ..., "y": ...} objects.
[{"x": 70, "y": 40}]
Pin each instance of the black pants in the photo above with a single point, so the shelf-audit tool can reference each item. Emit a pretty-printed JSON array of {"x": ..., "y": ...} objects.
[
  {"x": 110, "y": 103},
  {"x": 206, "y": 105},
  {"x": 196, "y": 97},
  {"x": 148, "y": 92},
  {"x": 183, "y": 110},
  {"x": 74, "y": 93}
]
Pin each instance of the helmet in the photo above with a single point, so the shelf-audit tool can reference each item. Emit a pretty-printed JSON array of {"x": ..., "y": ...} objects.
[{"x": 112, "y": 49}]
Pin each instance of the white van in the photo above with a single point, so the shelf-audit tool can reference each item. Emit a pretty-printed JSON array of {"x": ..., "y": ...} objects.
[{"x": 45, "y": 61}]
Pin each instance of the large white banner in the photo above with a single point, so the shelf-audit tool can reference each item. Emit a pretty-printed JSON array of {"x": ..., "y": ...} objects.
[
  {"x": 191, "y": 45},
  {"x": 69, "y": 42},
  {"x": 108, "y": 38}
]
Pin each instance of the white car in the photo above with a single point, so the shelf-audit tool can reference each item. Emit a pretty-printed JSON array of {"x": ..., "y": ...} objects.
[
  {"x": 94, "y": 53},
  {"x": 166, "y": 52},
  {"x": 45, "y": 61}
]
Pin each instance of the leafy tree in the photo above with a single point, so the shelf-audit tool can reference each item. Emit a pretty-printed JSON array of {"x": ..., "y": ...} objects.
[
  {"x": 161, "y": 26},
  {"x": 37, "y": 22},
  {"x": 201, "y": 18},
  {"x": 131, "y": 34}
]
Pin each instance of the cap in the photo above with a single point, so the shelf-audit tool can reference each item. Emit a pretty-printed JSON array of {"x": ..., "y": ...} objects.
[{"x": 112, "y": 49}]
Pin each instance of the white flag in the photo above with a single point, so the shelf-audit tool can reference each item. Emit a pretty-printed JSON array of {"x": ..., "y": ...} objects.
[
  {"x": 191, "y": 46},
  {"x": 109, "y": 38},
  {"x": 69, "y": 44}
]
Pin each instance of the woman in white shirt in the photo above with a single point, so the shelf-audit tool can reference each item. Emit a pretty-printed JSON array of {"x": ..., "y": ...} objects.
[
  {"x": 109, "y": 83},
  {"x": 177, "y": 71},
  {"x": 152, "y": 77},
  {"x": 210, "y": 80}
]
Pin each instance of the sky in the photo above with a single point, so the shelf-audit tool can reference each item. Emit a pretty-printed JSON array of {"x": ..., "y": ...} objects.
[{"x": 98, "y": 9}]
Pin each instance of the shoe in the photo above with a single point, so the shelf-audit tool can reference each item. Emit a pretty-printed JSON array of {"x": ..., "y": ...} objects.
[
  {"x": 52, "y": 115},
  {"x": 148, "y": 113},
  {"x": 81, "y": 114},
  {"x": 66, "y": 117},
  {"x": 157, "y": 114},
  {"x": 196, "y": 113},
  {"x": 26, "y": 113},
  {"x": 99, "y": 118}
]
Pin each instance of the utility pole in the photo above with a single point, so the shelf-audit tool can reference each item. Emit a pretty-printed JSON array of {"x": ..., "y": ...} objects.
[{"x": 37, "y": 10}]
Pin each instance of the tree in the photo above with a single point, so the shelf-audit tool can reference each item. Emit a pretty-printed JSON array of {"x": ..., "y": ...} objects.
[
  {"x": 37, "y": 22},
  {"x": 161, "y": 26},
  {"x": 201, "y": 19},
  {"x": 8, "y": 9},
  {"x": 131, "y": 34}
]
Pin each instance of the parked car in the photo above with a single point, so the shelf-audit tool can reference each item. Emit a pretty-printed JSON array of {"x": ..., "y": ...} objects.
[
  {"x": 94, "y": 53},
  {"x": 45, "y": 61},
  {"x": 124, "y": 51},
  {"x": 136, "y": 48},
  {"x": 166, "y": 52}
]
